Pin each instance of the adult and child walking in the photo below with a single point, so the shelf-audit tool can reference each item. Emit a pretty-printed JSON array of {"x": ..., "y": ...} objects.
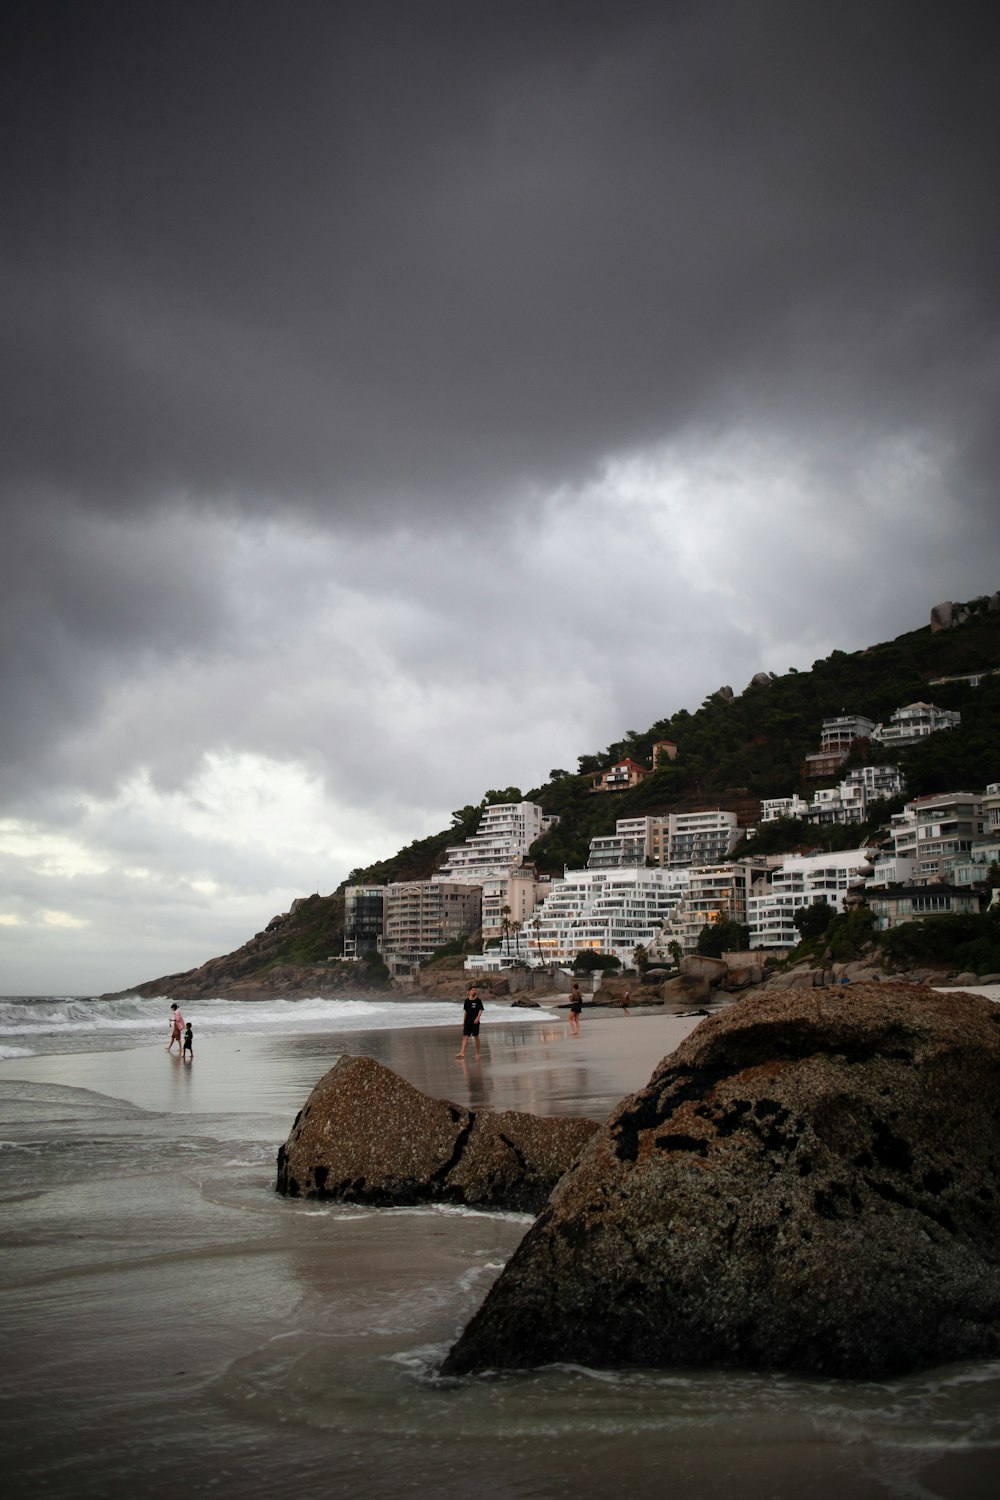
[{"x": 181, "y": 1032}]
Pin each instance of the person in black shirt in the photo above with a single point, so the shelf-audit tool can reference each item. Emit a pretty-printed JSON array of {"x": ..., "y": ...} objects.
[{"x": 473, "y": 1008}]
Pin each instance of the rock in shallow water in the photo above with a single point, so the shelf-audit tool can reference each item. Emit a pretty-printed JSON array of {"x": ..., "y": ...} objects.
[
  {"x": 365, "y": 1135},
  {"x": 811, "y": 1182}
]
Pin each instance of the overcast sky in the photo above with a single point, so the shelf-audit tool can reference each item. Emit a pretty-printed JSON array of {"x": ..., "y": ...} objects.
[{"x": 403, "y": 399}]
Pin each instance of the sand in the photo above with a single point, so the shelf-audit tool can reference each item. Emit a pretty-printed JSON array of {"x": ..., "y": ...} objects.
[{"x": 534, "y": 1065}]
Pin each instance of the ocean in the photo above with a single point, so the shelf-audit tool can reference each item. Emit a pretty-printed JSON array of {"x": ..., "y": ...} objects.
[{"x": 171, "y": 1325}]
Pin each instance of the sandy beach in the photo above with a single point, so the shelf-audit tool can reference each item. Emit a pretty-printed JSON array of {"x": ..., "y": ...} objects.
[
  {"x": 170, "y": 1321},
  {"x": 534, "y": 1065}
]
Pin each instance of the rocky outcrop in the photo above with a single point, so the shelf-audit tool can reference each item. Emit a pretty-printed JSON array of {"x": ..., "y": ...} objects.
[
  {"x": 742, "y": 977},
  {"x": 365, "y": 1135},
  {"x": 811, "y": 1182},
  {"x": 700, "y": 966},
  {"x": 687, "y": 989}
]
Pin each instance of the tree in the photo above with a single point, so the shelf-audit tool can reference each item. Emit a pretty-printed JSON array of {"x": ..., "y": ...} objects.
[
  {"x": 813, "y": 920},
  {"x": 676, "y": 952},
  {"x": 640, "y": 957},
  {"x": 716, "y": 938},
  {"x": 588, "y": 962}
]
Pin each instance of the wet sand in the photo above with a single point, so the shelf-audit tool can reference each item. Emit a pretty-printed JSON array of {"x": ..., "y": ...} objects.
[
  {"x": 535, "y": 1065},
  {"x": 171, "y": 1323}
]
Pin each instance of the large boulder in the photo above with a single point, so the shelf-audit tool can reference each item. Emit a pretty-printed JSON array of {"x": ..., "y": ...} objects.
[
  {"x": 700, "y": 966},
  {"x": 365, "y": 1135},
  {"x": 687, "y": 989},
  {"x": 811, "y": 1182},
  {"x": 742, "y": 977}
]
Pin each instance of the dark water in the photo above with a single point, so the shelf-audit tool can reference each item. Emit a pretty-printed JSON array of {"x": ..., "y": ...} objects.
[{"x": 172, "y": 1327}]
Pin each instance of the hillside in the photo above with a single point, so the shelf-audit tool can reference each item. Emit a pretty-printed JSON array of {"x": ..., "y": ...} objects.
[{"x": 734, "y": 750}]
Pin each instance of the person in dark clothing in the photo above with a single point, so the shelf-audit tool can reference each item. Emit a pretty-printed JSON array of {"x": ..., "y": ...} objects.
[
  {"x": 473, "y": 1008},
  {"x": 575, "y": 1009},
  {"x": 188, "y": 1048}
]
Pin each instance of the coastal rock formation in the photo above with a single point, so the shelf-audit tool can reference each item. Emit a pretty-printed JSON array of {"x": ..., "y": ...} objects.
[
  {"x": 811, "y": 1182},
  {"x": 700, "y": 966},
  {"x": 686, "y": 989},
  {"x": 365, "y": 1135}
]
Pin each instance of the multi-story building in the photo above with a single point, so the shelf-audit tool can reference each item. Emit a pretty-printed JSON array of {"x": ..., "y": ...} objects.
[
  {"x": 932, "y": 833},
  {"x": 912, "y": 903},
  {"x": 673, "y": 842},
  {"x": 364, "y": 919},
  {"x": 421, "y": 916},
  {"x": 694, "y": 838},
  {"x": 800, "y": 880},
  {"x": 715, "y": 893},
  {"x": 505, "y": 834},
  {"x": 509, "y": 900},
  {"x": 599, "y": 911},
  {"x": 877, "y": 782},
  {"x": 915, "y": 722},
  {"x": 991, "y": 809},
  {"x": 774, "y": 808},
  {"x": 630, "y": 844},
  {"x": 620, "y": 777},
  {"x": 822, "y": 764},
  {"x": 837, "y": 804},
  {"x": 839, "y": 733},
  {"x": 848, "y": 802}
]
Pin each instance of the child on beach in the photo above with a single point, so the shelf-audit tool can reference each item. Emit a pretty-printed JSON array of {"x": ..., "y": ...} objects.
[
  {"x": 176, "y": 1027},
  {"x": 188, "y": 1049}
]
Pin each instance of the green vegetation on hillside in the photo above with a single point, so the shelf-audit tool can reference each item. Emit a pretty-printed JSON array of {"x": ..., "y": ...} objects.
[
  {"x": 957, "y": 942},
  {"x": 733, "y": 751}
]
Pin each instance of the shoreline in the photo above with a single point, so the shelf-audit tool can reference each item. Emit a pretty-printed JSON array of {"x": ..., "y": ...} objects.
[{"x": 534, "y": 1065}]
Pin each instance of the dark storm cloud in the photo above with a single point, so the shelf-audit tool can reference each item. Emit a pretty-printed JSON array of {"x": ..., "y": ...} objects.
[{"x": 429, "y": 252}]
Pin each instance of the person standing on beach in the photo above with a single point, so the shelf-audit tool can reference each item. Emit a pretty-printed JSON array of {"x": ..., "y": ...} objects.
[
  {"x": 575, "y": 1009},
  {"x": 625, "y": 1002},
  {"x": 188, "y": 1048},
  {"x": 473, "y": 1008},
  {"x": 176, "y": 1027}
]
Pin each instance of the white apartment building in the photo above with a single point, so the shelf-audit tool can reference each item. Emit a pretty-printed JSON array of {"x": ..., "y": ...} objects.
[
  {"x": 848, "y": 802},
  {"x": 673, "y": 842},
  {"x": 915, "y": 722},
  {"x": 877, "y": 782},
  {"x": 773, "y": 808},
  {"x": 932, "y": 833},
  {"x": 601, "y": 911},
  {"x": 694, "y": 838},
  {"x": 630, "y": 844},
  {"x": 421, "y": 916},
  {"x": 893, "y": 869},
  {"x": 840, "y": 732},
  {"x": 509, "y": 900},
  {"x": 505, "y": 834},
  {"x": 800, "y": 880},
  {"x": 974, "y": 868},
  {"x": 715, "y": 893}
]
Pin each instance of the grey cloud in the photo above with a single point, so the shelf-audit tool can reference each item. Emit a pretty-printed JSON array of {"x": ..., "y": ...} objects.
[
  {"x": 322, "y": 327},
  {"x": 394, "y": 253}
]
